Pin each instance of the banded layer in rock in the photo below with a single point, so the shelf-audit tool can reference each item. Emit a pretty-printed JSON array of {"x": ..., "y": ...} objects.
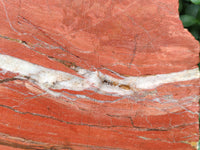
[{"x": 97, "y": 75}]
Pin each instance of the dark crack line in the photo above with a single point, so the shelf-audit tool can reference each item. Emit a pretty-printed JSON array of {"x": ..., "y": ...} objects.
[
  {"x": 35, "y": 145},
  {"x": 46, "y": 35},
  {"x": 151, "y": 129},
  {"x": 10, "y": 79},
  {"x": 98, "y": 126},
  {"x": 32, "y": 146},
  {"x": 134, "y": 49},
  {"x": 56, "y": 119},
  {"x": 68, "y": 64}
]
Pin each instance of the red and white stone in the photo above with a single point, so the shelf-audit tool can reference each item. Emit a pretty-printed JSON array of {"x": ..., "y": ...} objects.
[{"x": 97, "y": 75}]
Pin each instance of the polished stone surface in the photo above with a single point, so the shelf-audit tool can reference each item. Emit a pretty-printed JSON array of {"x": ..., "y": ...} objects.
[{"x": 95, "y": 74}]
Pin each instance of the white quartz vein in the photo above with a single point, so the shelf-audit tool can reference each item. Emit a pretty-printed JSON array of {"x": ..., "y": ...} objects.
[{"x": 53, "y": 79}]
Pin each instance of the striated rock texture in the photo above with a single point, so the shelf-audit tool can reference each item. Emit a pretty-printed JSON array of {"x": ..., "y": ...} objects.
[{"x": 97, "y": 74}]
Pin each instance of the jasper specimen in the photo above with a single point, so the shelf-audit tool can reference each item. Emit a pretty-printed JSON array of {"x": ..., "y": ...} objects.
[{"x": 87, "y": 74}]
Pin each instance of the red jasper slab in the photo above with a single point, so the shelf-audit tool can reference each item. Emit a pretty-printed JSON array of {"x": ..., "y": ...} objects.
[{"x": 117, "y": 38}]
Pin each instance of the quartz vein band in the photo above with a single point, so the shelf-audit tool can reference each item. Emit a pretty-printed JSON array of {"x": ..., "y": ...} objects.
[{"x": 53, "y": 79}]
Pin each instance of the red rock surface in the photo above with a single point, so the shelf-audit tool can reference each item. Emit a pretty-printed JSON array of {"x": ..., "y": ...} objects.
[{"x": 118, "y": 38}]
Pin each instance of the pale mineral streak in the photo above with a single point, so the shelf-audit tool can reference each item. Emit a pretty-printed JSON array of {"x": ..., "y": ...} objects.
[{"x": 48, "y": 78}]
